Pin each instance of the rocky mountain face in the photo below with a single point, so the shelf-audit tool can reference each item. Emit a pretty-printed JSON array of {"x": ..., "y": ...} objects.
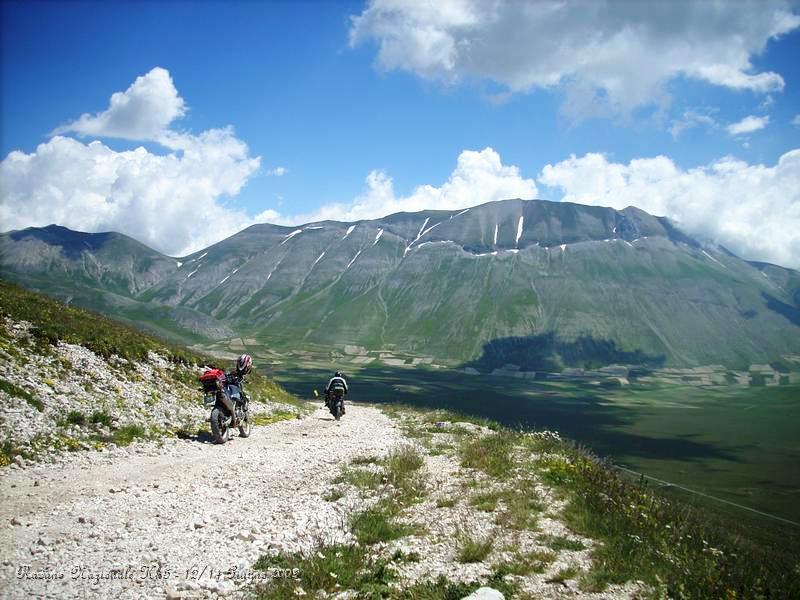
[{"x": 535, "y": 283}]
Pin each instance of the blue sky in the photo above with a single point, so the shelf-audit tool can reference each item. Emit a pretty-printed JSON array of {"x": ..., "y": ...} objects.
[{"x": 397, "y": 98}]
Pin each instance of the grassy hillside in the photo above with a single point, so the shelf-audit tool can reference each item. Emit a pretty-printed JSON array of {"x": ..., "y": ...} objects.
[
  {"x": 78, "y": 380},
  {"x": 520, "y": 482}
]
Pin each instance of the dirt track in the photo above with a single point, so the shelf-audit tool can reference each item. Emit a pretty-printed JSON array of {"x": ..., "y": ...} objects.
[{"x": 170, "y": 517}]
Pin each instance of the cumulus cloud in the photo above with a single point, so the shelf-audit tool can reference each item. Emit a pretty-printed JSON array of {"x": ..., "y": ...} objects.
[
  {"x": 169, "y": 202},
  {"x": 172, "y": 202},
  {"x": 753, "y": 210},
  {"x": 748, "y": 125},
  {"x": 608, "y": 56},
  {"x": 142, "y": 112},
  {"x": 479, "y": 176},
  {"x": 278, "y": 171}
]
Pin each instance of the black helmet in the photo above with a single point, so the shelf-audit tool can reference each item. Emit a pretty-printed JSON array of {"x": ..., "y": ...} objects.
[{"x": 337, "y": 374}]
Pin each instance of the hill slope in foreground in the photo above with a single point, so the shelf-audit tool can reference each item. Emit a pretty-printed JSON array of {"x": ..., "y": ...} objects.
[
  {"x": 543, "y": 285},
  {"x": 393, "y": 504}
]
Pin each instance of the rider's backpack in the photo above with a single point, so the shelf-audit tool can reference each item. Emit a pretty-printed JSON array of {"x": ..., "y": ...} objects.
[{"x": 213, "y": 380}]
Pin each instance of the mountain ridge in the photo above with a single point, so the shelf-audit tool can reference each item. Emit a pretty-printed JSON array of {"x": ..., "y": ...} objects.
[{"x": 446, "y": 283}]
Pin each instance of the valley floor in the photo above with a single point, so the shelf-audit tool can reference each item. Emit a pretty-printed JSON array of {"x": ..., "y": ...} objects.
[{"x": 185, "y": 518}]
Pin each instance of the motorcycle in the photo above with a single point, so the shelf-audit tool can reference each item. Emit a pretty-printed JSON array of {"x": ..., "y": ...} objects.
[
  {"x": 336, "y": 402},
  {"x": 225, "y": 399}
]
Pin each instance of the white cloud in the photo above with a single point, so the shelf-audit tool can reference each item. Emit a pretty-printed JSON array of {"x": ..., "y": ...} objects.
[
  {"x": 689, "y": 120},
  {"x": 142, "y": 112},
  {"x": 168, "y": 202},
  {"x": 796, "y": 120},
  {"x": 753, "y": 210},
  {"x": 278, "y": 171},
  {"x": 608, "y": 56},
  {"x": 172, "y": 202},
  {"x": 479, "y": 177},
  {"x": 748, "y": 125}
]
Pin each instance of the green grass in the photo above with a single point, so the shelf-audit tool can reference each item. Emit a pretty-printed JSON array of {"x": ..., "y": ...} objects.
[
  {"x": 101, "y": 418},
  {"x": 472, "y": 549},
  {"x": 331, "y": 568},
  {"x": 557, "y": 543},
  {"x": 75, "y": 417},
  {"x": 564, "y": 574},
  {"x": 485, "y": 501},
  {"x": 126, "y": 435},
  {"x": 365, "y": 460},
  {"x": 402, "y": 468},
  {"x": 262, "y": 419},
  {"x": 439, "y": 589},
  {"x": 687, "y": 551},
  {"x": 521, "y": 506},
  {"x": 18, "y": 392},
  {"x": 446, "y": 502},
  {"x": 490, "y": 453},
  {"x": 360, "y": 478},
  {"x": 525, "y": 563},
  {"x": 379, "y": 524},
  {"x": 400, "y": 471}
]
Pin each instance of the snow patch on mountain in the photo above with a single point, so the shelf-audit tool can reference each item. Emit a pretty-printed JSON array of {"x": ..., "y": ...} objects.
[
  {"x": 229, "y": 276},
  {"x": 353, "y": 260},
  {"x": 291, "y": 235}
]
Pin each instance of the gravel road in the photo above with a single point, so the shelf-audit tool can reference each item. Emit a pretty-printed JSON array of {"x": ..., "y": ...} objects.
[{"x": 178, "y": 518}]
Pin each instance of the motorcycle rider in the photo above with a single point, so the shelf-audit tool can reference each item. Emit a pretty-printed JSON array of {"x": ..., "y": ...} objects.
[
  {"x": 336, "y": 382},
  {"x": 244, "y": 365}
]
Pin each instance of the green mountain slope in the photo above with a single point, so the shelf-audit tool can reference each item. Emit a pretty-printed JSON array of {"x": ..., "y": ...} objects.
[
  {"x": 102, "y": 271},
  {"x": 541, "y": 284}
]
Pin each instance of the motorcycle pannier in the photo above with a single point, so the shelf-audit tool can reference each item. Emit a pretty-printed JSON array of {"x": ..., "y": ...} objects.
[{"x": 213, "y": 380}]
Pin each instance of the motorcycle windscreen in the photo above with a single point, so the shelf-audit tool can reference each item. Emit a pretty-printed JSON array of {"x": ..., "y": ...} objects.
[{"x": 234, "y": 393}]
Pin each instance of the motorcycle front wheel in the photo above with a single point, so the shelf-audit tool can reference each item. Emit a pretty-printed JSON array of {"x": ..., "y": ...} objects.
[
  {"x": 219, "y": 426},
  {"x": 245, "y": 425}
]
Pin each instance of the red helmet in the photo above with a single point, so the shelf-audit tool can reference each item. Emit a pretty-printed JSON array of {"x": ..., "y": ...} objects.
[{"x": 245, "y": 364}]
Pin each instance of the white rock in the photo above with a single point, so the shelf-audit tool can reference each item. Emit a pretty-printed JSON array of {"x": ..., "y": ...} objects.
[{"x": 485, "y": 593}]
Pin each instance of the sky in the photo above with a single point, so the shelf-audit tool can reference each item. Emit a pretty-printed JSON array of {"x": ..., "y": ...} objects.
[{"x": 181, "y": 123}]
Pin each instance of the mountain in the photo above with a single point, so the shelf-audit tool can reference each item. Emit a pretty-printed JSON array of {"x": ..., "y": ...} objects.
[
  {"x": 534, "y": 283},
  {"x": 103, "y": 271}
]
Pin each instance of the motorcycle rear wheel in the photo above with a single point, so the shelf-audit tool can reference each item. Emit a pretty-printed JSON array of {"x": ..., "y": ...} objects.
[{"x": 219, "y": 427}]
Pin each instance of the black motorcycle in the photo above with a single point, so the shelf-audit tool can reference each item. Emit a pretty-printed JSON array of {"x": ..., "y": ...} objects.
[
  {"x": 226, "y": 398},
  {"x": 336, "y": 402}
]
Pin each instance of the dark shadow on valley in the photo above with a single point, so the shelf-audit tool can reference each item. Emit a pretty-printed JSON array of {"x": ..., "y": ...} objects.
[
  {"x": 579, "y": 411},
  {"x": 545, "y": 352}
]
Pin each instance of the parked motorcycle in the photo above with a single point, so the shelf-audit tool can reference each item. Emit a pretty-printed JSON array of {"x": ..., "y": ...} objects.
[{"x": 226, "y": 398}]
